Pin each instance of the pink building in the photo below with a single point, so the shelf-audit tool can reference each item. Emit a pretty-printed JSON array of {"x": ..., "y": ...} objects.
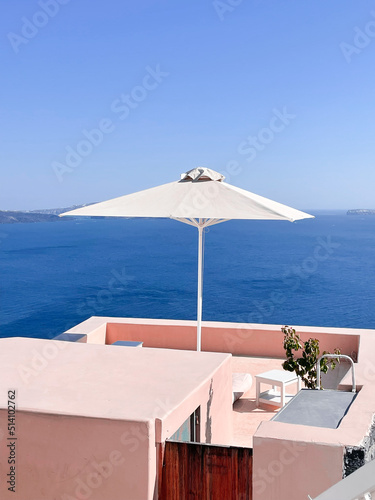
[{"x": 100, "y": 421}]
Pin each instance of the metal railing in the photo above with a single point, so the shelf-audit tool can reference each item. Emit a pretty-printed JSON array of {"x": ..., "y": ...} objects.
[
  {"x": 369, "y": 495},
  {"x": 334, "y": 356}
]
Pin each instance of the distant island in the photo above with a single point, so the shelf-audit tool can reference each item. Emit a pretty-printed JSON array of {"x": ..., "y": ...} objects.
[
  {"x": 43, "y": 215},
  {"x": 361, "y": 211}
]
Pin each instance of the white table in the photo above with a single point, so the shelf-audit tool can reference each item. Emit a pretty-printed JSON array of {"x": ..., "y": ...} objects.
[{"x": 277, "y": 379}]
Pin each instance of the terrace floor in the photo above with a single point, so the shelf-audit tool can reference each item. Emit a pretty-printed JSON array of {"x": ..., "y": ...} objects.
[{"x": 246, "y": 416}]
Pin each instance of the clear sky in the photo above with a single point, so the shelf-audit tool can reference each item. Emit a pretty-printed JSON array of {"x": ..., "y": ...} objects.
[{"x": 100, "y": 99}]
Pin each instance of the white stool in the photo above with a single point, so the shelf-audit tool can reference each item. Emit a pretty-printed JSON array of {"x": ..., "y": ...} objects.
[{"x": 278, "y": 379}]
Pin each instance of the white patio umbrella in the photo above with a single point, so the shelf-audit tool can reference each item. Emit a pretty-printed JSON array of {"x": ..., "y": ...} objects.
[{"x": 200, "y": 198}]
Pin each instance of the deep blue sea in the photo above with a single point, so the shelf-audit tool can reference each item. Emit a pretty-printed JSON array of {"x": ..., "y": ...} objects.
[{"x": 318, "y": 272}]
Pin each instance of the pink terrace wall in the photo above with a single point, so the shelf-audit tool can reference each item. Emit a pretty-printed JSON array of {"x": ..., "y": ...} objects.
[{"x": 224, "y": 337}]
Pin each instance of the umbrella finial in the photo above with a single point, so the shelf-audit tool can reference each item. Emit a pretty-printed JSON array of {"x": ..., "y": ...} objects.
[{"x": 202, "y": 174}]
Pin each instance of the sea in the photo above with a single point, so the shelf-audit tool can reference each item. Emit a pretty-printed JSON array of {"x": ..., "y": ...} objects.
[{"x": 317, "y": 272}]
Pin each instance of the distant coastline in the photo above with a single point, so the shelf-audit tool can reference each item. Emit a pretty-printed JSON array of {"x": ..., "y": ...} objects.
[
  {"x": 361, "y": 211},
  {"x": 52, "y": 214},
  {"x": 43, "y": 215}
]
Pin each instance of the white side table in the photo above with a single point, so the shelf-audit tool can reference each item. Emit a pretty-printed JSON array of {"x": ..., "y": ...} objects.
[{"x": 278, "y": 379}]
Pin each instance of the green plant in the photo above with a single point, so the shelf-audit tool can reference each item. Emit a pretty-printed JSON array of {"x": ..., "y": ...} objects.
[{"x": 305, "y": 366}]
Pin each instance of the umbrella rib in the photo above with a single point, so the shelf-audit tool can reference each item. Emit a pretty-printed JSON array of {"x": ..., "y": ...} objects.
[
  {"x": 212, "y": 222},
  {"x": 191, "y": 222},
  {"x": 202, "y": 222}
]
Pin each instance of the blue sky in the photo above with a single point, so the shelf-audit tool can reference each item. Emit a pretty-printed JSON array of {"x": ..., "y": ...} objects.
[{"x": 100, "y": 99}]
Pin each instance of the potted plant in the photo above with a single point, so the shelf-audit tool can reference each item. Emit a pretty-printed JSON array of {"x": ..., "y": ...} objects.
[{"x": 305, "y": 365}]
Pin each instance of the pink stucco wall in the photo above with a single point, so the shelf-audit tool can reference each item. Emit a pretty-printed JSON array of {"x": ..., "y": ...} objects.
[
  {"x": 286, "y": 469},
  {"x": 82, "y": 405},
  {"x": 235, "y": 338},
  {"x": 214, "y": 397},
  {"x": 239, "y": 339},
  {"x": 70, "y": 458},
  {"x": 98, "y": 335}
]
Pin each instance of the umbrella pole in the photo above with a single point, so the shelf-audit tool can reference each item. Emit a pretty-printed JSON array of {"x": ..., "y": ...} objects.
[{"x": 200, "y": 285}]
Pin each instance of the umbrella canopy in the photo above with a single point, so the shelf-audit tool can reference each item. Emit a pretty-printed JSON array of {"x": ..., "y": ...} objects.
[{"x": 200, "y": 198}]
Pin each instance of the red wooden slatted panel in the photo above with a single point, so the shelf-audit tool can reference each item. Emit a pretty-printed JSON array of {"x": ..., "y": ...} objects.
[{"x": 196, "y": 471}]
